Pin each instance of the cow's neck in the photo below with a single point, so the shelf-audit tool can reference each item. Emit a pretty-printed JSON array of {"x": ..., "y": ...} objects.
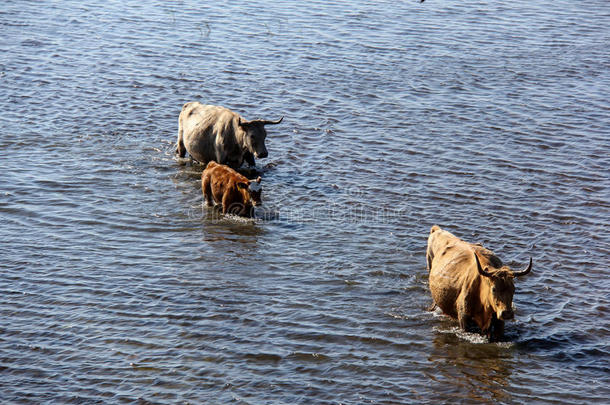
[
  {"x": 240, "y": 139},
  {"x": 485, "y": 311}
]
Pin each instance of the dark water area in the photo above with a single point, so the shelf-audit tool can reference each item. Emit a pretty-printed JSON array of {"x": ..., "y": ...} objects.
[{"x": 490, "y": 120}]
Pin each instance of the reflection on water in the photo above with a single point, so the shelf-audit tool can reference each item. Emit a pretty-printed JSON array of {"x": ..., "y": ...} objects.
[{"x": 476, "y": 372}]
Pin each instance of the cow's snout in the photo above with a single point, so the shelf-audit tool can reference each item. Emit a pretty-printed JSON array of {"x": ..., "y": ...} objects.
[
  {"x": 261, "y": 155},
  {"x": 506, "y": 314}
]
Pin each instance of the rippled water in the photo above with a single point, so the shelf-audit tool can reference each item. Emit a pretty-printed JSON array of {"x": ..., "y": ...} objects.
[{"x": 490, "y": 120}]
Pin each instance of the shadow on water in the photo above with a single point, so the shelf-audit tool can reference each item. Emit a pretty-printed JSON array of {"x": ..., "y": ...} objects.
[
  {"x": 232, "y": 229},
  {"x": 476, "y": 371},
  {"x": 573, "y": 346}
]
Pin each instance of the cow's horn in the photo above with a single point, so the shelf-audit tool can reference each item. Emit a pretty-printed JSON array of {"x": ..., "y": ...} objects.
[
  {"x": 523, "y": 272},
  {"x": 480, "y": 269},
  {"x": 266, "y": 122}
]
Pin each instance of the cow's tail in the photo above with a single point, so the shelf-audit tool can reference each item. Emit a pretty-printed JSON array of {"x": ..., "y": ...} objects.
[
  {"x": 429, "y": 253},
  {"x": 180, "y": 149}
]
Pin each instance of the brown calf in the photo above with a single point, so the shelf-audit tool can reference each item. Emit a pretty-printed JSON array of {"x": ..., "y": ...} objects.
[{"x": 222, "y": 185}]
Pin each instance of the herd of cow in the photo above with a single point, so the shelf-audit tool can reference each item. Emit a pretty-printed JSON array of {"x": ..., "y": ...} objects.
[{"x": 467, "y": 281}]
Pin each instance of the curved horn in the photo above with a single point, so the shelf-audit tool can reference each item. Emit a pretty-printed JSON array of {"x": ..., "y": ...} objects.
[
  {"x": 523, "y": 272},
  {"x": 266, "y": 122},
  {"x": 479, "y": 268}
]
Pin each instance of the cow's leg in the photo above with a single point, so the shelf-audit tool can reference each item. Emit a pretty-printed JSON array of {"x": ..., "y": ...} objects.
[
  {"x": 249, "y": 158},
  {"x": 462, "y": 313},
  {"x": 496, "y": 330},
  {"x": 206, "y": 188},
  {"x": 251, "y": 171},
  {"x": 226, "y": 203},
  {"x": 464, "y": 321}
]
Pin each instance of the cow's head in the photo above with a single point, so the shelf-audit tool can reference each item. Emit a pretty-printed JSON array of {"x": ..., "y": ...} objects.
[
  {"x": 500, "y": 288},
  {"x": 251, "y": 191},
  {"x": 254, "y": 139}
]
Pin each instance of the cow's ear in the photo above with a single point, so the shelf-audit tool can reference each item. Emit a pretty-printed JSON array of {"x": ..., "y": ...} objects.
[
  {"x": 484, "y": 272},
  {"x": 242, "y": 185},
  {"x": 242, "y": 123}
]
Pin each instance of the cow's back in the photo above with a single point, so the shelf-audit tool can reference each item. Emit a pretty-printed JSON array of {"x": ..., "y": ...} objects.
[
  {"x": 442, "y": 246},
  {"x": 207, "y": 130},
  {"x": 451, "y": 262}
]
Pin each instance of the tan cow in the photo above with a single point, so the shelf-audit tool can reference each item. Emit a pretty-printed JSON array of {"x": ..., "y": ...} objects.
[
  {"x": 212, "y": 133},
  {"x": 470, "y": 283},
  {"x": 222, "y": 185}
]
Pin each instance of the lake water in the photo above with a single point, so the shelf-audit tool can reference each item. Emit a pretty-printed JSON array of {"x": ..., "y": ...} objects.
[{"x": 118, "y": 286}]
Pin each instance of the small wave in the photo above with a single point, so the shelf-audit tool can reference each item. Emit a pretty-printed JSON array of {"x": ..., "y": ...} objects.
[
  {"x": 263, "y": 357},
  {"x": 311, "y": 357},
  {"x": 462, "y": 334},
  {"x": 239, "y": 219},
  {"x": 33, "y": 43}
]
